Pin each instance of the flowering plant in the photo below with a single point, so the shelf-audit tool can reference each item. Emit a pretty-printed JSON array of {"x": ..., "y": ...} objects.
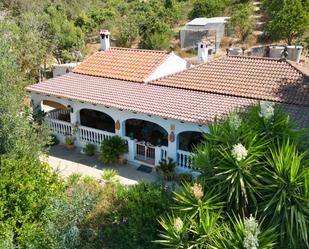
[
  {"x": 267, "y": 110},
  {"x": 239, "y": 152}
]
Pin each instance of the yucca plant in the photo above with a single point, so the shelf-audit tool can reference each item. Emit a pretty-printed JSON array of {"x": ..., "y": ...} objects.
[
  {"x": 271, "y": 122},
  {"x": 187, "y": 232},
  {"x": 246, "y": 233},
  {"x": 193, "y": 200},
  {"x": 174, "y": 233},
  {"x": 285, "y": 189},
  {"x": 233, "y": 170}
]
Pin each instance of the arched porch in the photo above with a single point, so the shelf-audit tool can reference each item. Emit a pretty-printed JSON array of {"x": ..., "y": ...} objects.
[
  {"x": 147, "y": 131},
  {"x": 95, "y": 126},
  {"x": 150, "y": 137},
  {"x": 187, "y": 141},
  {"x": 97, "y": 120},
  {"x": 56, "y": 110}
]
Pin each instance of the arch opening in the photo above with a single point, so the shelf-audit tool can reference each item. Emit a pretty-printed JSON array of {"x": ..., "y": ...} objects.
[
  {"x": 55, "y": 110},
  {"x": 147, "y": 131},
  {"x": 188, "y": 140},
  {"x": 97, "y": 120}
]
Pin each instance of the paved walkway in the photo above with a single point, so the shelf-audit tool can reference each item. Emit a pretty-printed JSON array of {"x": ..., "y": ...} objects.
[{"x": 70, "y": 162}]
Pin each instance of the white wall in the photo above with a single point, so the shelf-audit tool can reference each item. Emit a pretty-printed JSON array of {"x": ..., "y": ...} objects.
[
  {"x": 122, "y": 116},
  {"x": 61, "y": 69},
  {"x": 173, "y": 64}
]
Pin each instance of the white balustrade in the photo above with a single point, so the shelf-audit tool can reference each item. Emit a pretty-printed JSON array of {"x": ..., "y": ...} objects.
[
  {"x": 184, "y": 159},
  {"x": 60, "y": 127},
  {"x": 94, "y": 136},
  {"x": 163, "y": 152}
]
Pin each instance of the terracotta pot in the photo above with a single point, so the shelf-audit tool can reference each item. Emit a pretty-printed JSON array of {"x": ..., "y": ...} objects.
[
  {"x": 122, "y": 160},
  {"x": 69, "y": 146}
]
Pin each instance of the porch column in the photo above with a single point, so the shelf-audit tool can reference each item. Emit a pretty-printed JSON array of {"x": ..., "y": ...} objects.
[
  {"x": 36, "y": 104},
  {"x": 120, "y": 128},
  {"x": 74, "y": 115},
  {"x": 172, "y": 144}
]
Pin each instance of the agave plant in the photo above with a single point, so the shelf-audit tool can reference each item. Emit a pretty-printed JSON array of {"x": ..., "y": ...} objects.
[{"x": 285, "y": 191}]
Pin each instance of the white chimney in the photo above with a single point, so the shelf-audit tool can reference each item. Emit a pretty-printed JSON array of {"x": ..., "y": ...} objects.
[
  {"x": 202, "y": 52},
  {"x": 104, "y": 36}
]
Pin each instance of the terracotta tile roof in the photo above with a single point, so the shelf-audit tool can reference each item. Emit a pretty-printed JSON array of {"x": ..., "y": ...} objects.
[
  {"x": 166, "y": 102},
  {"x": 250, "y": 77},
  {"x": 123, "y": 63}
]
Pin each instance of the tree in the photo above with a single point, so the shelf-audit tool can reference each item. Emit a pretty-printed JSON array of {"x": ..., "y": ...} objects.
[
  {"x": 18, "y": 135},
  {"x": 127, "y": 32},
  {"x": 242, "y": 21},
  {"x": 290, "y": 22},
  {"x": 156, "y": 36},
  {"x": 26, "y": 187},
  {"x": 64, "y": 37},
  {"x": 207, "y": 8}
]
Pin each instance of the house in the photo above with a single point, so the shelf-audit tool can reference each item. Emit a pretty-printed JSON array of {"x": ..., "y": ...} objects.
[
  {"x": 161, "y": 108},
  {"x": 213, "y": 29}
]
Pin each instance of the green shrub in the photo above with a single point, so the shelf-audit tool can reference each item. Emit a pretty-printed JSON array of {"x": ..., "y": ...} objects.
[
  {"x": 207, "y": 8},
  {"x": 74, "y": 179},
  {"x": 110, "y": 175},
  {"x": 112, "y": 149},
  {"x": 167, "y": 168},
  {"x": 184, "y": 178},
  {"x": 90, "y": 149},
  {"x": 132, "y": 222},
  {"x": 89, "y": 180},
  {"x": 53, "y": 140}
]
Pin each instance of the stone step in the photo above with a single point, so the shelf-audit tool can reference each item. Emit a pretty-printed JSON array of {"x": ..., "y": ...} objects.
[
  {"x": 256, "y": 9},
  {"x": 257, "y": 16},
  {"x": 258, "y": 33}
]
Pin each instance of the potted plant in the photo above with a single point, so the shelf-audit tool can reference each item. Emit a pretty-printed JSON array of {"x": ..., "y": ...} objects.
[
  {"x": 112, "y": 150},
  {"x": 89, "y": 149},
  {"x": 167, "y": 168},
  {"x": 69, "y": 142}
]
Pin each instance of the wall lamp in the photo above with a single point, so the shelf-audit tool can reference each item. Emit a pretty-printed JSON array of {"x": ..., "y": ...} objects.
[{"x": 70, "y": 108}]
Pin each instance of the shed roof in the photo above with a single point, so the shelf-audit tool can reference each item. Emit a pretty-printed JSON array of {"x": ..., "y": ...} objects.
[{"x": 202, "y": 21}]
